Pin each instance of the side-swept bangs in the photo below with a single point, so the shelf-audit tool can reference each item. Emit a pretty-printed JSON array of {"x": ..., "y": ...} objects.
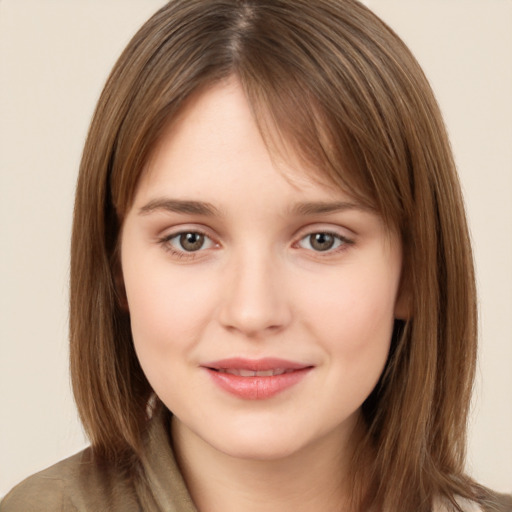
[{"x": 334, "y": 82}]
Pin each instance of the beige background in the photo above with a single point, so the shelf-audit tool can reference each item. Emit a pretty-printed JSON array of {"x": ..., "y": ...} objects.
[{"x": 54, "y": 58}]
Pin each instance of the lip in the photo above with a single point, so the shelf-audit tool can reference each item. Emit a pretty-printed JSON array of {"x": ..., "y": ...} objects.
[{"x": 231, "y": 375}]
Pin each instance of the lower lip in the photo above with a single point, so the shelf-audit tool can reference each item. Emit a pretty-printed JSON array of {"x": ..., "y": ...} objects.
[{"x": 257, "y": 388}]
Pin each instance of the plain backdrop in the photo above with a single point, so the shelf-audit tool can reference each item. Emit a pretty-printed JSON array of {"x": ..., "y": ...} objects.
[{"x": 54, "y": 58}]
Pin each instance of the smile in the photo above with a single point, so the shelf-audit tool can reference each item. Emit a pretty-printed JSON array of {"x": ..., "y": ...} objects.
[
  {"x": 256, "y": 379},
  {"x": 253, "y": 373}
]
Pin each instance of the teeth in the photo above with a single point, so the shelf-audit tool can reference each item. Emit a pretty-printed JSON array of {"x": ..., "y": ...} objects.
[
  {"x": 242, "y": 373},
  {"x": 252, "y": 373},
  {"x": 268, "y": 373}
]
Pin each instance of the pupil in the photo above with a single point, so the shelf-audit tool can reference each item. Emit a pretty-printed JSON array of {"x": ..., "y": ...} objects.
[
  {"x": 321, "y": 241},
  {"x": 191, "y": 241}
]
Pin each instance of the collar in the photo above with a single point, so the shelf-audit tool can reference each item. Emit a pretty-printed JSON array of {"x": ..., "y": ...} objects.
[{"x": 162, "y": 489}]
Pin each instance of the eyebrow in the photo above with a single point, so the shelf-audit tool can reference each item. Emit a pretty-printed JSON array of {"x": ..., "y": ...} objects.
[
  {"x": 179, "y": 206},
  {"x": 207, "y": 209},
  {"x": 322, "y": 208}
]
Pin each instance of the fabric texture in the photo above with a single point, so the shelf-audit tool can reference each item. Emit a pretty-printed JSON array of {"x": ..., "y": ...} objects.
[{"x": 80, "y": 484}]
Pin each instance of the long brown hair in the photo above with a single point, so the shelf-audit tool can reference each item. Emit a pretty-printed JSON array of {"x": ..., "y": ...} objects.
[{"x": 343, "y": 89}]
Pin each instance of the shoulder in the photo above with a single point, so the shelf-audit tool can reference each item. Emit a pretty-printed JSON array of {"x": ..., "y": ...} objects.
[
  {"x": 39, "y": 492},
  {"x": 492, "y": 502},
  {"x": 498, "y": 503},
  {"x": 446, "y": 505},
  {"x": 74, "y": 484}
]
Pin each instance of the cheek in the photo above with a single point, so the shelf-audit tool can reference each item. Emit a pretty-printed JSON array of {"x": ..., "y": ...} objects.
[
  {"x": 352, "y": 316},
  {"x": 357, "y": 336},
  {"x": 162, "y": 327},
  {"x": 357, "y": 311},
  {"x": 168, "y": 307}
]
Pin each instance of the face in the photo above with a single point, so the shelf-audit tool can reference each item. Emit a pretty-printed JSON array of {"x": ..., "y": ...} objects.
[{"x": 262, "y": 299}]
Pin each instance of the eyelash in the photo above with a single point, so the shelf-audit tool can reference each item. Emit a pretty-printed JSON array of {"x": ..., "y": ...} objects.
[
  {"x": 183, "y": 254},
  {"x": 343, "y": 243}
]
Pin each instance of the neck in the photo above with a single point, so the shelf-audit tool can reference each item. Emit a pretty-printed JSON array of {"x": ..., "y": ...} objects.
[{"x": 311, "y": 479}]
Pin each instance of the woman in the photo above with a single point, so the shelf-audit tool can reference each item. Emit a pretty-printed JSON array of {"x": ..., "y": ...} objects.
[{"x": 272, "y": 288}]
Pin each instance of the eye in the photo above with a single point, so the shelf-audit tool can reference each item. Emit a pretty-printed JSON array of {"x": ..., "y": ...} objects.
[
  {"x": 189, "y": 241},
  {"x": 322, "y": 242}
]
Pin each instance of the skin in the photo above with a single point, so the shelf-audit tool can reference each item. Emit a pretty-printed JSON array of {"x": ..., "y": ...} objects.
[{"x": 258, "y": 286}]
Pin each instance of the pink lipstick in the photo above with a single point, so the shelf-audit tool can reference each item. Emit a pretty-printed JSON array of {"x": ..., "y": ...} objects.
[{"x": 256, "y": 379}]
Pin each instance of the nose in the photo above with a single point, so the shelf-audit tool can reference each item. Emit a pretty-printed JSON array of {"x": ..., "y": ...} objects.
[{"x": 254, "y": 300}]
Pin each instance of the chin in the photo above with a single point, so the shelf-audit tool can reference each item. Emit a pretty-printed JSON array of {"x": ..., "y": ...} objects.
[
  {"x": 262, "y": 449},
  {"x": 264, "y": 441}
]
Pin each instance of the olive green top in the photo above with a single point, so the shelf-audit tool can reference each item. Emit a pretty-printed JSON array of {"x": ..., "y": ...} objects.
[{"x": 82, "y": 484}]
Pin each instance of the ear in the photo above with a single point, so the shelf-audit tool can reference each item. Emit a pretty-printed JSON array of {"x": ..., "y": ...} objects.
[
  {"x": 117, "y": 274},
  {"x": 122, "y": 299},
  {"x": 403, "y": 301}
]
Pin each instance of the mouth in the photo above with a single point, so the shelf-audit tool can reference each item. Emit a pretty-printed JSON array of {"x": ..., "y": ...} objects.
[
  {"x": 256, "y": 379},
  {"x": 252, "y": 373}
]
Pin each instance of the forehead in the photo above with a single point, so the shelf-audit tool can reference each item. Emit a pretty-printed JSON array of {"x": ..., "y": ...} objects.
[{"x": 216, "y": 139}]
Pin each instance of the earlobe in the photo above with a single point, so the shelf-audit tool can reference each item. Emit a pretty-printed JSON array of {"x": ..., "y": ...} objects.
[
  {"x": 402, "y": 309},
  {"x": 120, "y": 289},
  {"x": 122, "y": 299},
  {"x": 403, "y": 303}
]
